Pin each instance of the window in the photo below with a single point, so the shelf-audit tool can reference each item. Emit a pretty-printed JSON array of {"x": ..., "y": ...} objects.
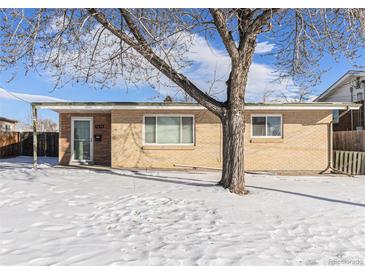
[
  {"x": 359, "y": 96},
  {"x": 266, "y": 125},
  {"x": 169, "y": 130}
]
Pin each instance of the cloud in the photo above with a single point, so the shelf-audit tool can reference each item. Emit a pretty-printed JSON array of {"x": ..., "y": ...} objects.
[
  {"x": 27, "y": 97},
  {"x": 264, "y": 47},
  {"x": 211, "y": 67},
  {"x": 264, "y": 84}
]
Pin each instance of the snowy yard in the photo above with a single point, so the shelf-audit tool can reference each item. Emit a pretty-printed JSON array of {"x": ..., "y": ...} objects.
[{"x": 67, "y": 216}]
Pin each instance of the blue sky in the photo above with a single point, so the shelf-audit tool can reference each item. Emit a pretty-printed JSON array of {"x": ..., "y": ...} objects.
[{"x": 261, "y": 70}]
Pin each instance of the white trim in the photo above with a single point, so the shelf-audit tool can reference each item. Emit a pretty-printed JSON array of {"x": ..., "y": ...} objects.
[
  {"x": 167, "y": 115},
  {"x": 267, "y": 115},
  {"x": 305, "y": 106},
  {"x": 298, "y": 108},
  {"x": 76, "y": 118},
  {"x": 271, "y": 107},
  {"x": 106, "y": 107}
]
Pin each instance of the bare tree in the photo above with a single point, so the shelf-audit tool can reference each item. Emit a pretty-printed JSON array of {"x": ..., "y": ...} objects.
[
  {"x": 46, "y": 125},
  {"x": 43, "y": 124},
  {"x": 110, "y": 46}
]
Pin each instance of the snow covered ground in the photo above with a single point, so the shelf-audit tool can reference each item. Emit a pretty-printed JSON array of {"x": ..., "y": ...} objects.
[{"x": 68, "y": 216}]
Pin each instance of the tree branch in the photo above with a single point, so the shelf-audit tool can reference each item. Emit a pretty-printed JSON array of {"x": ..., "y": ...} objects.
[
  {"x": 262, "y": 19},
  {"x": 220, "y": 23},
  {"x": 142, "y": 47}
]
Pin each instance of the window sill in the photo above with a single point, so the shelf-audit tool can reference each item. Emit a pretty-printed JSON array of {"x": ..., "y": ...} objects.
[
  {"x": 266, "y": 140},
  {"x": 168, "y": 147}
]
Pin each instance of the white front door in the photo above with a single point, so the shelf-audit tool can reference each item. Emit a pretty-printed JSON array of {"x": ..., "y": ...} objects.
[{"x": 82, "y": 145}]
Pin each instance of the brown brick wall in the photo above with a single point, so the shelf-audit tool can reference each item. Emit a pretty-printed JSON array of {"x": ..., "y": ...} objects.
[{"x": 102, "y": 150}]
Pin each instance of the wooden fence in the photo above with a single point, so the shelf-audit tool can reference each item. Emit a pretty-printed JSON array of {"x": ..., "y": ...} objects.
[
  {"x": 349, "y": 140},
  {"x": 9, "y": 144},
  {"x": 21, "y": 143},
  {"x": 47, "y": 144},
  {"x": 350, "y": 162}
]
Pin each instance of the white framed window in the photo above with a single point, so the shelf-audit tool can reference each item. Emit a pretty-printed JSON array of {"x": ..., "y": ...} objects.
[
  {"x": 266, "y": 126},
  {"x": 168, "y": 129}
]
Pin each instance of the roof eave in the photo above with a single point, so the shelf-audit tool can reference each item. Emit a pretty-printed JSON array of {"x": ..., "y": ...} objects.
[
  {"x": 109, "y": 106},
  {"x": 3, "y": 119}
]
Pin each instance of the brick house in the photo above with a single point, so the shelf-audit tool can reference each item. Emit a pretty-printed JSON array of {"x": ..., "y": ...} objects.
[{"x": 282, "y": 137}]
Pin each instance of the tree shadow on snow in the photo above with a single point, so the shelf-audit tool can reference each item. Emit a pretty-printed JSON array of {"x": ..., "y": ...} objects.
[
  {"x": 161, "y": 179},
  {"x": 308, "y": 196}
]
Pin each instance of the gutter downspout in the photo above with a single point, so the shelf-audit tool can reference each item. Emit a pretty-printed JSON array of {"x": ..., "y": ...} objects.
[{"x": 330, "y": 144}]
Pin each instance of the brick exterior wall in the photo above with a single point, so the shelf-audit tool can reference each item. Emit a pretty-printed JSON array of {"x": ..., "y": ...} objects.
[
  {"x": 128, "y": 149},
  {"x": 102, "y": 150},
  {"x": 303, "y": 146}
]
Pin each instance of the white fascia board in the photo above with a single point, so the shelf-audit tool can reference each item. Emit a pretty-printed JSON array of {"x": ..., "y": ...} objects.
[
  {"x": 334, "y": 107},
  {"x": 67, "y": 108},
  {"x": 105, "y": 108}
]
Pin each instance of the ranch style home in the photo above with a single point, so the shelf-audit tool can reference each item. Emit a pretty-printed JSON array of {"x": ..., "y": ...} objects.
[{"x": 278, "y": 137}]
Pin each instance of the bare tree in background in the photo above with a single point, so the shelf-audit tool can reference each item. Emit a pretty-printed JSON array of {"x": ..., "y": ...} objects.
[
  {"x": 46, "y": 125},
  {"x": 43, "y": 124},
  {"x": 299, "y": 96},
  {"x": 106, "y": 47}
]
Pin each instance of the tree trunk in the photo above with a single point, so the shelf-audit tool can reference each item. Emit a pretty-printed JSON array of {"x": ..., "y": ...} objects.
[
  {"x": 233, "y": 171},
  {"x": 233, "y": 124}
]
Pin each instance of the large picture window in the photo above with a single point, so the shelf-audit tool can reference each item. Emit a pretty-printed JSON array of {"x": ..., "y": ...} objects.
[
  {"x": 168, "y": 130},
  {"x": 266, "y": 125}
]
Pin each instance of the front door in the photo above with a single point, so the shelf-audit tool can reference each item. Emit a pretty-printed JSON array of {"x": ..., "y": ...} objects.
[{"x": 82, "y": 149}]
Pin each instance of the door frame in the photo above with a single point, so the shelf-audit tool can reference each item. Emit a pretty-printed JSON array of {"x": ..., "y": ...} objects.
[{"x": 76, "y": 118}]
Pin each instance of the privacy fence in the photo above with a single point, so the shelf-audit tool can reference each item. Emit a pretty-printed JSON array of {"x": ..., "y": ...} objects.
[
  {"x": 349, "y": 140},
  {"x": 21, "y": 143},
  {"x": 349, "y": 151}
]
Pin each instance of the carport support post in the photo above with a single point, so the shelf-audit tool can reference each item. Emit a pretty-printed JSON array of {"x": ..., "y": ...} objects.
[{"x": 35, "y": 143}]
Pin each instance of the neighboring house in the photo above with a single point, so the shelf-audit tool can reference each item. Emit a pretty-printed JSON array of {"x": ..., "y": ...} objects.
[
  {"x": 349, "y": 88},
  {"x": 7, "y": 125},
  {"x": 170, "y": 135},
  {"x": 43, "y": 125}
]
